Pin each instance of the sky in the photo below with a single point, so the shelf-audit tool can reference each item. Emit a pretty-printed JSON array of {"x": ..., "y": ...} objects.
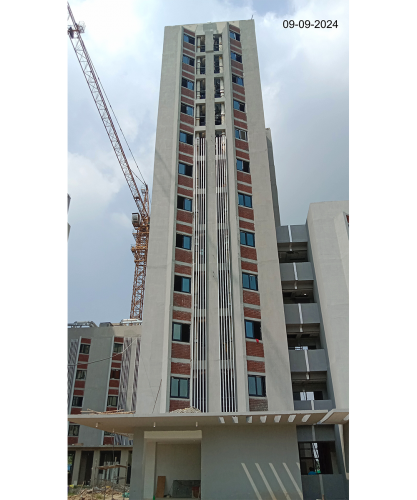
[{"x": 304, "y": 77}]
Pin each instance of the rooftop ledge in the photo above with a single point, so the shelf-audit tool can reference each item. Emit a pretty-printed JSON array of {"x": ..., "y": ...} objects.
[{"x": 127, "y": 423}]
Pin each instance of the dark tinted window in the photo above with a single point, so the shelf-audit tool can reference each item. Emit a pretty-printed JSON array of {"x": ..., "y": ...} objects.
[
  {"x": 247, "y": 239},
  {"x": 188, "y": 60},
  {"x": 236, "y": 57},
  {"x": 184, "y": 203},
  {"x": 240, "y": 106},
  {"x": 112, "y": 400},
  {"x": 241, "y": 134},
  {"x": 186, "y": 138},
  {"x": 189, "y": 39},
  {"x": 242, "y": 165},
  {"x": 188, "y": 84},
  {"x": 182, "y": 284},
  {"x": 235, "y": 36},
  {"x": 237, "y": 79},
  {"x": 245, "y": 200},
  {"x": 180, "y": 332},
  {"x": 115, "y": 374},
  {"x": 85, "y": 349},
  {"x": 73, "y": 430},
  {"x": 250, "y": 281},
  {"x": 256, "y": 385},
  {"x": 253, "y": 329},
  {"x": 117, "y": 348},
  {"x": 188, "y": 110},
  {"x": 183, "y": 241},
  {"x": 81, "y": 374},
  {"x": 77, "y": 401},
  {"x": 184, "y": 169},
  {"x": 180, "y": 387}
]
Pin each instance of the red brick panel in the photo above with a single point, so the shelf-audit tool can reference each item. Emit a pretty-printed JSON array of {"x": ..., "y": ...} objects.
[
  {"x": 242, "y": 156},
  {"x": 113, "y": 392},
  {"x": 243, "y": 187},
  {"x": 255, "y": 349},
  {"x": 245, "y": 213},
  {"x": 75, "y": 411},
  {"x": 185, "y": 192},
  {"x": 72, "y": 440},
  {"x": 235, "y": 46},
  {"x": 186, "y": 128},
  {"x": 242, "y": 144},
  {"x": 244, "y": 177},
  {"x": 248, "y": 312},
  {"x": 239, "y": 97},
  {"x": 241, "y": 125},
  {"x": 233, "y": 28},
  {"x": 249, "y": 266},
  {"x": 180, "y": 351},
  {"x": 235, "y": 43},
  {"x": 184, "y": 180},
  {"x": 180, "y": 368},
  {"x": 108, "y": 440},
  {"x": 181, "y": 316},
  {"x": 184, "y": 229},
  {"x": 114, "y": 383},
  {"x": 85, "y": 341},
  {"x": 186, "y": 148},
  {"x": 187, "y": 118},
  {"x": 116, "y": 364},
  {"x": 117, "y": 357},
  {"x": 185, "y": 158},
  {"x": 80, "y": 384},
  {"x": 248, "y": 252},
  {"x": 182, "y": 269},
  {"x": 182, "y": 300},
  {"x": 238, "y": 88},
  {"x": 251, "y": 297},
  {"x": 187, "y": 92},
  {"x": 178, "y": 404},
  {"x": 190, "y": 102},
  {"x": 78, "y": 392},
  {"x": 188, "y": 49},
  {"x": 83, "y": 357},
  {"x": 119, "y": 340},
  {"x": 246, "y": 225},
  {"x": 182, "y": 255},
  {"x": 236, "y": 66},
  {"x": 189, "y": 76},
  {"x": 240, "y": 115},
  {"x": 82, "y": 366},
  {"x": 236, "y": 70},
  {"x": 258, "y": 404},
  {"x": 256, "y": 366},
  {"x": 188, "y": 68},
  {"x": 184, "y": 216},
  {"x": 191, "y": 33}
]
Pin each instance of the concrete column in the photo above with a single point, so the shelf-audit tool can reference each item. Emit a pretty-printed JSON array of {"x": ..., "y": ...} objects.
[
  {"x": 149, "y": 476},
  {"x": 136, "y": 479},
  {"x": 96, "y": 463},
  {"x": 76, "y": 467},
  {"x": 124, "y": 457}
]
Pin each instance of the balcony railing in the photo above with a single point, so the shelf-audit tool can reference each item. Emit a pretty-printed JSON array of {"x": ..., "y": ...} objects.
[
  {"x": 202, "y": 48},
  {"x": 218, "y": 93},
  {"x": 218, "y": 68},
  {"x": 219, "y": 119},
  {"x": 201, "y": 94},
  {"x": 201, "y": 70},
  {"x": 200, "y": 121}
]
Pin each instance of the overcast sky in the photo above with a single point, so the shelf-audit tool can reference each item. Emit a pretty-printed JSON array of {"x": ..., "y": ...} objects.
[{"x": 304, "y": 76}]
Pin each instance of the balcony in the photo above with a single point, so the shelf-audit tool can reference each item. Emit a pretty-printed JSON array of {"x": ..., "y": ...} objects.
[
  {"x": 302, "y": 272},
  {"x": 318, "y": 404},
  {"x": 298, "y": 314},
  {"x": 333, "y": 486},
  {"x": 311, "y": 360},
  {"x": 298, "y": 234}
]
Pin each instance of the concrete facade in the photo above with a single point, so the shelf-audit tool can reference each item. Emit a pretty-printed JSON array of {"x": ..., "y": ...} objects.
[{"x": 263, "y": 405}]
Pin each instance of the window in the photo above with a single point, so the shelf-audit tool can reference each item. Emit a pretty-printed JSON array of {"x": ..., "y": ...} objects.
[
  {"x": 115, "y": 374},
  {"x": 73, "y": 430},
  {"x": 242, "y": 165},
  {"x": 184, "y": 169},
  {"x": 180, "y": 387},
  {"x": 117, "y": 348},
  {"x": 180, "y": 332},
  {"x": 77, "y": 401},
  {"x": 218, "y": 87},
  {"x": 302, "y": 344},
  {"x": 184, "y": 203},
  {"x": 253, "y": 330},
  {"x": 85, "y": 349},
  {"x": 308, "y": 395},
  {"x": 183, "y": 241},
  {"x": 218, "y": 64},
  {"x": 218, "y": 115},
  {"x": 107, "y": 433},
  {"x": 216, "y": 42},
  {"x": 256, "y": 385},
  {"x": 188, "y": 84},
  {"x": 247, "y": 239},
  {"x": 236, "y": 57},
  {"x": 240, "y": 106},
  {"x": 112, "y": 400},
  {"x": 319, "y": 458},
  {"x": 188, "y": 110},
  {"x": 241, "y": 134},
  {"x": 250, "y": 281},
  {"x": 186, "y": 138},
  {"x": 182, "y": 284},
  {"x": 235, "y": 36},
  {"x": 81, "y": 375},
  {"x": 189, "y": 39},
  {"x": 245, "y": 200},
  {"x": 237, "y": 79},
  {"x": 188, "y": 60}
]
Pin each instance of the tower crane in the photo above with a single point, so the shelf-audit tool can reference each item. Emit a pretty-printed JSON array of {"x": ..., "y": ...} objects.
[{"x": 141, "y": 219}]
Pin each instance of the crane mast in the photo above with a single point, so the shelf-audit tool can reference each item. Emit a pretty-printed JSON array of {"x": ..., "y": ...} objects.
[{"x": 140, "y": 220}]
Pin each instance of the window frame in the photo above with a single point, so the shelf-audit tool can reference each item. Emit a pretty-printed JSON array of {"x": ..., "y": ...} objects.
[
  {"x": 187, "y": 107},
  {"x": 236, "y": 77},
  {"x": 183, "y": 335},
  {"x": 182, "y": 236},
  {"x": 189, "y": 38},
  {"x": 244, "y": 165},
  {"x": 75, "y": 405},
  {"x": 239, "y": 132},
  {"x": 236, "y": 56},
  {"x": 187, "y": 81},
  {"x": 181, "y": 203},
  {"x": 263, "y": 386},
  {"x": 187, "y": 168},
  {"x": 72, "y": 427},
  {"x": 184, "y": 56},
  {"x": 179, "y": 379},
  {"x": 117, "y": 344},
  {"x": 245, "y": 198},
  {"x": 115, "y": 370},
  {"x": 112, "y": 396},
  {"x": 176, "y": 281},
  {"x": 186, "y": 137},
  {"x": 240, "y": 105},
  {"x": 252, "y": 280},
  {"x": 83, "y": 371},
  {"x": 236, "y": 37},
  {"x": 82, "y": 348},
  {"x": 245, "y": 233},
  {"x": 257, "y": 332}
]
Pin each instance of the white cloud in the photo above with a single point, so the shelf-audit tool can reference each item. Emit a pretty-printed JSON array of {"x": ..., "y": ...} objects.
[{"x": 121, "y": 219}]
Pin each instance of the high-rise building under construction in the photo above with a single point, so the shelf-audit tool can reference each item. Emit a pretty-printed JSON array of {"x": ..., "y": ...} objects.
[{"x": 242, "y": 389}]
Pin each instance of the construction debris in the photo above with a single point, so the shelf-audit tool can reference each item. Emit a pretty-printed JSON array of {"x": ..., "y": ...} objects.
[
  {"x": 88, "y": 411},
  {"x": 191, "y": 409}
]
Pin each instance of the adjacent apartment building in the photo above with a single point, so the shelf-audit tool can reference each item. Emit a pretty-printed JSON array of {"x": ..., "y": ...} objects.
[{"x": 242, "y": 389}]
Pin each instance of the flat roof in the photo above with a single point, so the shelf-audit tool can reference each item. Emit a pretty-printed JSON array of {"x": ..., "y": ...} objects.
[{"x": 127, "y": 423}]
